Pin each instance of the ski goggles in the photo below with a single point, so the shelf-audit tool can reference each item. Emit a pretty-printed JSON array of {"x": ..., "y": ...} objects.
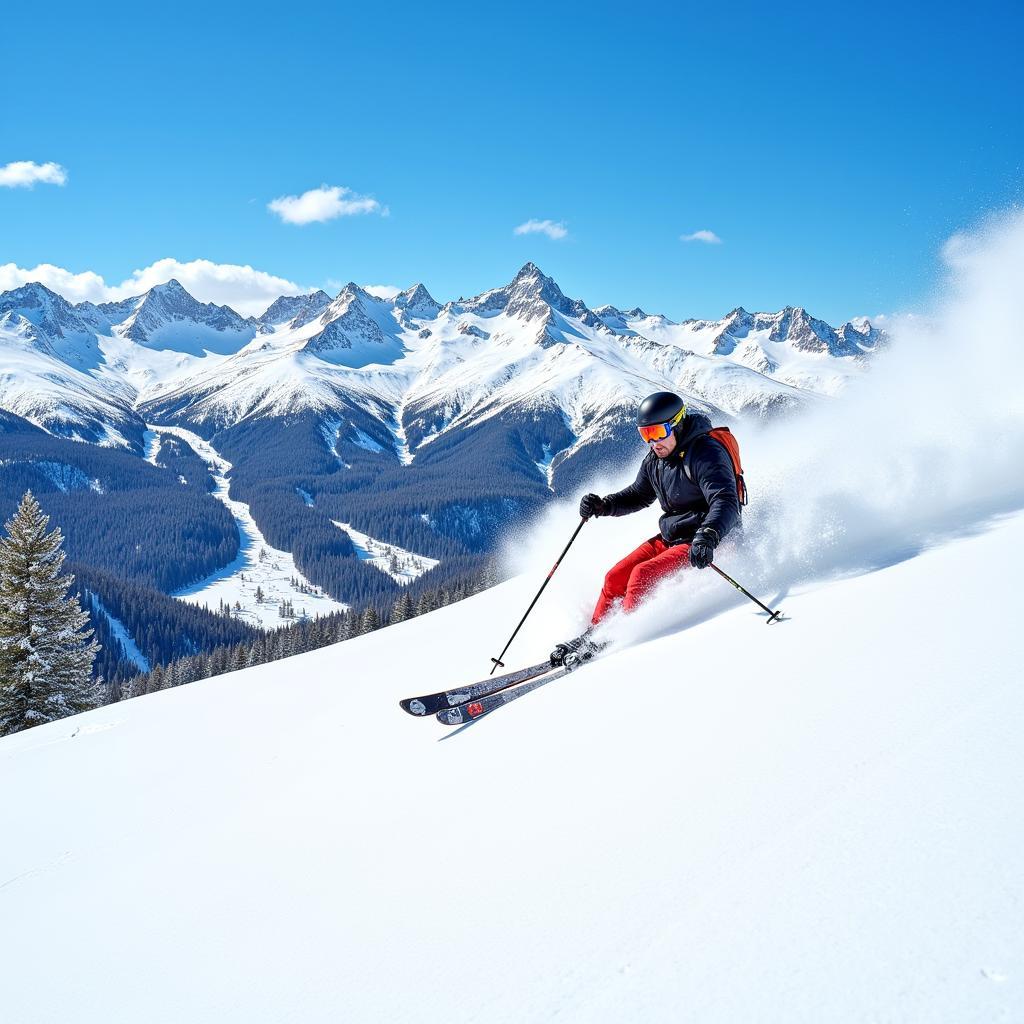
[{"x": 659, "y": 431}]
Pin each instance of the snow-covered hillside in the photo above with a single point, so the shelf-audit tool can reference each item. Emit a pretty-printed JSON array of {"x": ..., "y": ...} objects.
[
  {"x": 718, "y": 821},
  {"x": 261, "y": 577},
  {"x": 819, "y": 820}
]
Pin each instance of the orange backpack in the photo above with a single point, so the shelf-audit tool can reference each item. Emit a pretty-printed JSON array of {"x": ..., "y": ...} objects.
[{"x": 725, "y": 437}]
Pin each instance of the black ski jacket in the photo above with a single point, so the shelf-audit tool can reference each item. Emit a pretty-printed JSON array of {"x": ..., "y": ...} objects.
[{"x": 710, "y": 500}]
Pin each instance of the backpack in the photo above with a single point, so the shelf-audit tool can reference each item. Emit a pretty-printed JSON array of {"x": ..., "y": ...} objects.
[{"x": 725, "y": 437}]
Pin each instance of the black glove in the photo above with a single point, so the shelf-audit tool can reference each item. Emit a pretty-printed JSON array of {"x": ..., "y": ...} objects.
[
  {"x": 702, "y": 547},
  {"x": 592, "y": 505}
]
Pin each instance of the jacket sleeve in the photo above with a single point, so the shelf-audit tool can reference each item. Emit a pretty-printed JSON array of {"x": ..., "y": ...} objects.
[
  {"x": 713, "y": 473},
  {"x": 639, "y": 494}
]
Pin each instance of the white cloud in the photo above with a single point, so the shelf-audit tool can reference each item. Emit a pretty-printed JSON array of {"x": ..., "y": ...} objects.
[
  {"x": 709, "y": 237},
  {"x": 382, "y": 291},
  {"x": 323, "y": 203},
  {"x": 74, "y": 287},
  {"x": 244, "y": 289},
  {"x": 27, "y": 173},
  {"x": 555, "y": 230}
]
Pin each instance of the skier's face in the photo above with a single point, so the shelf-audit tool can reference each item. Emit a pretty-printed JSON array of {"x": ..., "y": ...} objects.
[{"x": 665, "y": 447}]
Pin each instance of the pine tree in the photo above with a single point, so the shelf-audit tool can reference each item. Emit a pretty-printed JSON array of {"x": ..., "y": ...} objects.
[
  {"x": 46, "y": 654},
  {"x": 403, "y": 608},
  {"x": 343, "y": 628},
  {"x": 370, "y": 620},
  {"x": 155, "y": 680},
  {"x": 238, "y": 657}
]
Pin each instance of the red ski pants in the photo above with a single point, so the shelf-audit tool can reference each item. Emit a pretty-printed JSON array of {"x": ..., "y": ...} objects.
[{"x": 634, "y": 577}]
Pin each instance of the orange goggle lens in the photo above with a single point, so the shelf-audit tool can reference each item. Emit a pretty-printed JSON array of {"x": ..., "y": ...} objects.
[
  {"x": 659, "y": 431},
  {"x": 655, "y": 432}
]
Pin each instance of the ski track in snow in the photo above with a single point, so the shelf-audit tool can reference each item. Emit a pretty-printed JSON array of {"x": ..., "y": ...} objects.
[
  {"x": 272, "y": 572},
  {"x": 121, "y": 634},
  {"x": 378, "y": 553}
]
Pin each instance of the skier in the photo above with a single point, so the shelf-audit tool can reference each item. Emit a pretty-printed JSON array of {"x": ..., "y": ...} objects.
[{"x": 694, "y": 479}]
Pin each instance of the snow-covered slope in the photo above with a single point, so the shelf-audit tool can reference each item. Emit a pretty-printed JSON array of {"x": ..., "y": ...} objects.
[
  {"x": 719, "y": 821},
  {"x": 401, "y": 565},
  {"x": 815, "y": 821}
]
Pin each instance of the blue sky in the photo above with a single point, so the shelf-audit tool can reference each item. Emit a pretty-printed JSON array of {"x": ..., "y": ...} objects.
[{"x": 830, "y": 150}]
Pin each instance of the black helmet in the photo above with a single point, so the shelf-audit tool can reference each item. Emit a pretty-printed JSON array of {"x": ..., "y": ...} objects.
[{"x": 661, "y": 407}]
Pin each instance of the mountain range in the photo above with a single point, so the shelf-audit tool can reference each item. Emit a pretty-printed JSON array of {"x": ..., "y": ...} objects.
[{"x": 98, "y": 372}]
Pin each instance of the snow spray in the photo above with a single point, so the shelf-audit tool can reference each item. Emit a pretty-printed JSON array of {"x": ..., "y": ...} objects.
[{"x": 924, "y": 447}]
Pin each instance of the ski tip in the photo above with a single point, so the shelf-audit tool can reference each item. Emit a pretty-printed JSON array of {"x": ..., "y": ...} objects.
[
  {"x": 451, "y": 716},
  {"x": 413, "y": 706}
]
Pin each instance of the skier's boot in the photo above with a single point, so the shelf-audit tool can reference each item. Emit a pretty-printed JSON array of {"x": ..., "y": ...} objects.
[
  {"x": 582, "y": 654},
  {"x": 582, "y": 647},
  {"x": 558, "y": 655}
]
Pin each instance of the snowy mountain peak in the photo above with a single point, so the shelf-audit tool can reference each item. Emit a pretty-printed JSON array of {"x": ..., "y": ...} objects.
[
  {"x": 861, "y": 333},
  {"x": 353, "y": 291},
  {"x": 356, "y": 329},
  {"x": 417, "y": 301},
  {"x": 627, "y": 322},
  {"x": 172, "y": 288},
  {"x": 795, "y": 326},
  {"x": 51, "y": 313},
  {"x": 351, "y": 296},
  {"x": 531, "y": 296},
  {"x": 53, "y": 325},
  {"x": 167, "y": 316},
  {"x": 294, "y": 310},
  {"x": 530, "y": 272},
  {"x": 531, "y": 280}
]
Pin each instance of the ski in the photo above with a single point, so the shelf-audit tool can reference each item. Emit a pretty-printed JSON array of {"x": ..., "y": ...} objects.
[
  {"x": 474, "y": 709},
  {"x": 429, "y": 703},
  {"x": 471, "y": 710}
]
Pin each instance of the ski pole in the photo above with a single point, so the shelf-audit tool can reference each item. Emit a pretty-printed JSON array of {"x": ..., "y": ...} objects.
[
  {"x": 772, "y": 616},
  {"x": 498, "y": 663}
]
